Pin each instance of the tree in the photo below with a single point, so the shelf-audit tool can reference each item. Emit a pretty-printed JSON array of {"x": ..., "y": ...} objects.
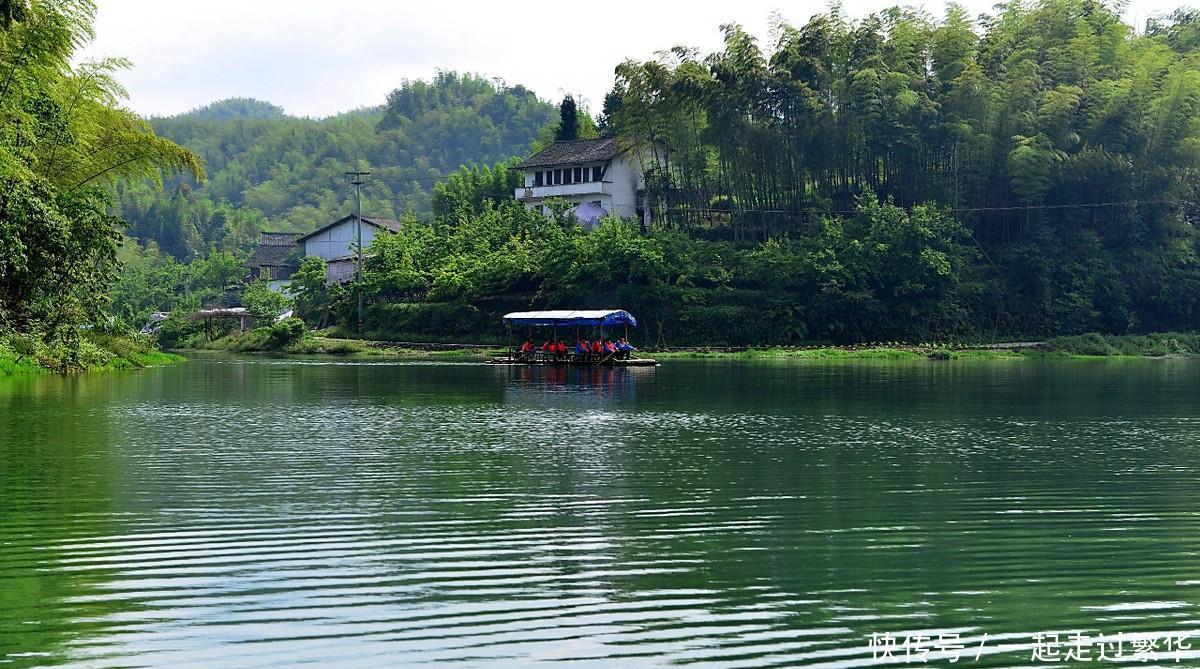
[
  {"x": 67, "y": 143},
  {"x": 568, "y": 122},
  {"x": 263, "y": 304},
  {"x": 312, "y": 292},
  {"x": 265, "y": 165}
]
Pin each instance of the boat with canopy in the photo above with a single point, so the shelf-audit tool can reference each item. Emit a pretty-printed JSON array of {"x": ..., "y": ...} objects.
[{"x": 584, "y": 324}]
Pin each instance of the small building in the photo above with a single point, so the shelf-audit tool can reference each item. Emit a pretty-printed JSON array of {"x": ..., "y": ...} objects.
[
  {"x": 339, "y": 239},
  {"x": 337, "y": 244},
  {"x": 342, "y": 270},
  {"x": 597, "y": 176},
  {"x": 275, "y": 259}
]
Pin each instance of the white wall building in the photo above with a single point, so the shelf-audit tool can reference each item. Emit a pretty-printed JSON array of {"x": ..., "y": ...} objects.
[
  {"x": 337, "y": 244},
  {"x": 595, "y": 175},
  {"x": 339, "y": 239}
]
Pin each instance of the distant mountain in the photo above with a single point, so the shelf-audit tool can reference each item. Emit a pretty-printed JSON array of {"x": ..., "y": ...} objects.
[
  {"x": 235, "y": 108},
  {"x": 268, "y": 170}
]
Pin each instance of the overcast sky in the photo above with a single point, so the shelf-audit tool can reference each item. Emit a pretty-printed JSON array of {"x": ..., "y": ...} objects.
[{"x": 319, "y": 58}]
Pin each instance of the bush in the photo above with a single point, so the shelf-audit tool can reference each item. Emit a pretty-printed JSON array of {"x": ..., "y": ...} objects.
[
  {"x": 263, "y": 304},
  {"x": 285, "y": 333},
  {"x": 434, "y": 318}
]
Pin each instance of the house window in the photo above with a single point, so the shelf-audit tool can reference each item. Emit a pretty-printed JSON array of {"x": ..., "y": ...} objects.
[
  {"x": 537, "y": 178},
  {"x": 557, "y": 177},
  {"x": 596, "y": 173},
  {"x": 578, "y": 174}
]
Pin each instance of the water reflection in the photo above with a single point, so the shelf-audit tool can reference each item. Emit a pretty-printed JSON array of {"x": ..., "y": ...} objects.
[
  {"x": 256, "y": 512},
  {"x": 557, "y": 385}
]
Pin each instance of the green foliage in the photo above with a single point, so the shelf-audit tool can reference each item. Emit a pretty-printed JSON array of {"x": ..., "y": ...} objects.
[
  {"x": 1067, "y": 141},
  {"x": 25, "y": 354},
  {"x": 885, "y": 271},
  {"x": 568, "y": 120},
  {"x": 313, "y": 296},
  {"x": 467, "y": 191},
  {"x": 150, "y": 281},
  {"x": 65, "y": 142},
  {"x": 1158, "y": 344},
  {"x": 263, "y": 304},
  {"x": 265, "y": 165},
  {"x": 287, "y": 332}
]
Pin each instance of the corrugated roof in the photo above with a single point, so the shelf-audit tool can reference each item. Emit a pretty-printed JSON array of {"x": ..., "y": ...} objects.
[
  {"x": 568, "y": 317},
  {"x": 574, "y": 152},
  {"x": 389, "y": 224}
]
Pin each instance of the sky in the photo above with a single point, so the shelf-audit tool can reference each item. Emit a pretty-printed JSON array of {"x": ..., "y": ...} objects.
[{"x": 321, "y": 58}]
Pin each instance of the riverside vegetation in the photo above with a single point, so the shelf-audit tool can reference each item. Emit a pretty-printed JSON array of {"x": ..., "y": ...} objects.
[
  {"x": 65, "y": 143},
  {"x": 1026, "y": 175}
]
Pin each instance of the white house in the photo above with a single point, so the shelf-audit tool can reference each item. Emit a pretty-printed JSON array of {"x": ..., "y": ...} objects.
[
  {"x": 595, "y": 175},
  {"x": 337, "y": 244},
  {"x": 340, "y": 238}
]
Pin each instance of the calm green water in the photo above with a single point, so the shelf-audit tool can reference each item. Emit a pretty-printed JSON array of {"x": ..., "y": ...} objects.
[{"x": 243, "y": 513}]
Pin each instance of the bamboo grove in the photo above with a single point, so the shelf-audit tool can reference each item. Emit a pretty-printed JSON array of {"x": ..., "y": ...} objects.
[{"x": 1051, "y": 114}]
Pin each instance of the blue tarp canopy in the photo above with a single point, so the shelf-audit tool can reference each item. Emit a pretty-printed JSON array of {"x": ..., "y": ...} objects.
[{"x": 606, "y": 317}]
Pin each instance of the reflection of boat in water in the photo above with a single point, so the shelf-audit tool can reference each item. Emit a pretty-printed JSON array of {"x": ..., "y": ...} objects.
[
  {"x": 556, "y": 353},
  {"x": 517, "y": 359},
  {"x": 570, "y": 384}
]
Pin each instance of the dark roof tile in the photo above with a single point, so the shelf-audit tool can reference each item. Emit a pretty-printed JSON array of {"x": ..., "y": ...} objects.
[{"x": 574, "y": 152}]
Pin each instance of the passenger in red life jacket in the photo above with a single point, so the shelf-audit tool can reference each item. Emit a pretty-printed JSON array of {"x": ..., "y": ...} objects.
[
  {"x": 609, "y": 348},
  {"x": 597, "y": 347},
  {"x": 581, "y": 348},
  {"x": 560, "y": 349},
  {"x": 526, "y": 349},
  {"x": 548, "y": 347}
]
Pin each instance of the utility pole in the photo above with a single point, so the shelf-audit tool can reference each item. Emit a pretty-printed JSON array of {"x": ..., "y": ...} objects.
[{"x": 357, "y": 179}]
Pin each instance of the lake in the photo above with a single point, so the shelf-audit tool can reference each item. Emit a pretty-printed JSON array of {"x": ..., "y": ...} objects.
[{"x": 254, "y": 512}]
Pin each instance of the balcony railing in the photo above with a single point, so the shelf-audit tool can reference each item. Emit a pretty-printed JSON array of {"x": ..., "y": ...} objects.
[{"x": 526, "y": 193}]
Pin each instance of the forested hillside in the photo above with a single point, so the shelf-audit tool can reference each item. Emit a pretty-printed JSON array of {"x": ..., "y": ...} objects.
[
  {"x": 1025, "y": 174},
  {"x": 1022, "y": 175},
  {"x": 1062, "y": 143},
  {"x": 287, "y": 173}
]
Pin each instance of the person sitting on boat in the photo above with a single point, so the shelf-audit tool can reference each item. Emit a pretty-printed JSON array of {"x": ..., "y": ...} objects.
[
  {"x": 610, "y": 349},
  {"x": 526, "y": 349},
  {"x": 560, "y": 349},
  {"x": 624, "y": 348},
  {"x": 597, "y": 348},
  {"x": 581, "y": 348},
  {"x": 548, "y": 348}
]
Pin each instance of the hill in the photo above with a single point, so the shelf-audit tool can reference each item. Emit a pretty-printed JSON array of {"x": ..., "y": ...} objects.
[
  {"x": 269, "y": 169},
  {"x": 235, "y": 108}
]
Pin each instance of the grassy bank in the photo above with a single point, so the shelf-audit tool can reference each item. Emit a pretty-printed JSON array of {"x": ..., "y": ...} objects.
[
  {"x": 891, "y": 352},
  {"x": 291, "y": 339},
  {"x": 94, "y": 351},
  {"x": 289, "y": 336},
  {"x": 1092, "y": 345}
]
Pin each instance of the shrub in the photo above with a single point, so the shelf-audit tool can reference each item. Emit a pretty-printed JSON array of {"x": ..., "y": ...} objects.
[{"x": 285, "y": 333}]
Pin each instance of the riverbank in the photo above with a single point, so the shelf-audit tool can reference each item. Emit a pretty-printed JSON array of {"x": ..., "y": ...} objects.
[
  {"x": 95, "y": 351},
  {"x": 1089, "y": 346}
]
